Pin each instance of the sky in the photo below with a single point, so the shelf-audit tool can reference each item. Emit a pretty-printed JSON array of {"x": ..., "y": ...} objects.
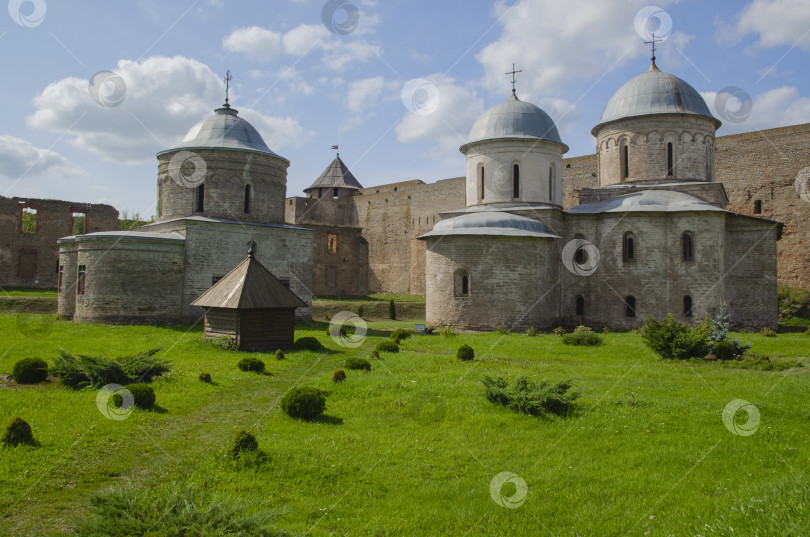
[{"x": 94, "y": 89}]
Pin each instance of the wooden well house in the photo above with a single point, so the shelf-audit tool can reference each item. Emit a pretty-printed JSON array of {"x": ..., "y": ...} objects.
[{"x": 252, "y": 307}]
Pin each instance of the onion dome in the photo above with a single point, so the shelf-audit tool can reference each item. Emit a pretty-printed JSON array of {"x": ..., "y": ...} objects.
[{"x": 491, "y": 223}]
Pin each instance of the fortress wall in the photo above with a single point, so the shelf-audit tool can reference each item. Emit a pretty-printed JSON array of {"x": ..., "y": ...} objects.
[{"x": 578, "y": 173}]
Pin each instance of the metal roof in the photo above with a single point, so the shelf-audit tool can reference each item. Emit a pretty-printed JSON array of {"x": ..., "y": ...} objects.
[
  {"x": 336, "y": 175},
  {"x": 654, "y": 92},
  {"x": 513, "y": 119},
  {"x": 491, "y": 223},
  {"x": 128, "y": 235},
  {"x": 647, "y": 201},
  {"x": 249, "y": 286},
  {"x": 224, "y": 130}
]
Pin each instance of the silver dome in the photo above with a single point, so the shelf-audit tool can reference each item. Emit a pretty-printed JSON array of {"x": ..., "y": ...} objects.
[
  {"x": 514, "y": 119},
  {"x": 654, "y": 92},
  {"x": 491, "y": 223},
  {"x": 224, "y": 130},
  {"x": 666, "y": 201}
]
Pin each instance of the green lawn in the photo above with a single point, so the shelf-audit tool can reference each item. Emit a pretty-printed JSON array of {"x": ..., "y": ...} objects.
[
  {"x": 412, "y": 447},
  {"x": 28, "y": 292}
]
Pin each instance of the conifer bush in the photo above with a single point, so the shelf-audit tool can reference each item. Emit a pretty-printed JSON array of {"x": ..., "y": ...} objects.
[
  {"x": 532, "y": 398},
  {"x": 465, "y": 353},
  {"x": 142, "y": 394},
  {"x": 304, "y": 403},
  {"x": 399, "y": 334},
  {"x": 205, "y": 377},
  {"x": 672, "y": 340},
  {"x": 360, "y": 311},
  {"x": 243, "y": 443},
  {"x": 96, "y": 371},
  {"x": 30, "y": 371},
  {"x": 18, "y": 433},
  {"x": 308, "y": 344},
  {"x": 586, "y": 338},
  {"x": 279, "y": 354},
  {"x": 387, "y": 346},
  {"x": 357, "y": 364},
  {"x": 252, "y": 364},
  {"x": 392, "y": 309},
  {"x": 338, "y": 376},
  {"x": 375, "y": 355}
]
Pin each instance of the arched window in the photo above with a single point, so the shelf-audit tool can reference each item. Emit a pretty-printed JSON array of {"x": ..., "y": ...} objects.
[
  {"x": 758, "y": 207},
  {"x": 686, "y": 246},
  {"x": 247, "y": 199},
  {"x": 580, "y": 305},
  {"x": 481, "y": 192},
  {"x": 199, "y": 198},
  {"x": 628, "y": 247},
  {"x": 670, "y": 161},
  {"x": 687, "y": 306},
  {"x": 630, "y": 306},
  {"x": 461, "y": 285},
  {"x": 516, "y": 181},
  {"x": 624, "y": 157}
]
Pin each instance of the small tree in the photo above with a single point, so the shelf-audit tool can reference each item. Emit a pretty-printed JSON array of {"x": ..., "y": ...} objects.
[{"x": 392, "y": 309}]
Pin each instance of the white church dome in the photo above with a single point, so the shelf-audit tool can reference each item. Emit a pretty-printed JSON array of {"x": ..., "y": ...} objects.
[
  {"x": 491, "y": 223},
  {"x": 654, "y": 92},
  {"x": 224, "y": 130},
  {"x": 513, "y": 119}
]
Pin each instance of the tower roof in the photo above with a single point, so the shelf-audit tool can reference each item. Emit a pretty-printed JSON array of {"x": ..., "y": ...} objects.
[
  {"x": 651, "y": 93},
  {"x": 336, "y": 175},
  {"x": 249, "y": 286}
]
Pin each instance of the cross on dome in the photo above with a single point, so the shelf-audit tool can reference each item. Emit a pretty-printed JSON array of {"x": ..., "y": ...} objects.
[
  {"x": 513, "y": 73},
  {"x": 652, "y": 42},
  {"x": 227, "y": 81}
]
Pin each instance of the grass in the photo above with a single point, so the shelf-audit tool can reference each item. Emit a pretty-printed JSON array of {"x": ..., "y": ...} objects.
[
  {"x": 411, "y": 447},
  {"x": 27, "y": 292}
]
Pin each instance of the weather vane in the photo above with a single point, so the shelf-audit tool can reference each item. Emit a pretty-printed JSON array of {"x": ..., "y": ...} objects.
[
  {"x": 513, "y": 73},
  {"x": 652, "y": 42},
  {"x": 227, "y": 80},
  {"x": 336, "y": 148}
]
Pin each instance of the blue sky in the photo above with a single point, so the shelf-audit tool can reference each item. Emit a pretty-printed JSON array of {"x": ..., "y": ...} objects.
[{"x": 397, "y": 85}]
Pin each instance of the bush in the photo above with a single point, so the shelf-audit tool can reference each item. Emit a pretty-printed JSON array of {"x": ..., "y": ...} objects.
[
  {"x": 30, "y": 371},
  {"x": 243, "y": 443},
  {"x": 531, "y": 331},
  {"x": 307, "y": 344},
  {"x": 399, "y": 334},
  {"x": 97, "y": 371},
  {"x": 356, "y": 364},
  {"x": 672, "y": 340},
  {"x": 768, "y": 332},
  {"x": 725, "y": 350},
  {"x": 392, "y": 309},
  {"x": 582, "y": 328},
  {"x": 279, "y": 354},
  {"x": 360, "y": 311},
  {"x": 793, "y": 302},
  {"x": 226, "y": 343},
  {"x": 205, "y": 377},
  {"x": 387, "y": 346},
  {"x": 582, "y": 338},
  {"x": 375, "y": 355},
  {"x": 142, "y": 394},
  {"x": 18, "y": 432},
  {"x": 528, "y": 397},
  {"x": 559, "y": 331},
  {"x": 338, "y": 376},
  {"x": 304, "y": 403},
  {"x": 446, "y": 331},
  {"x": 251, "y": 364},
  {"x": 144, "y": 366},
  {"x": 465, "y": 353},
  {"x": 721, "y": 326}
]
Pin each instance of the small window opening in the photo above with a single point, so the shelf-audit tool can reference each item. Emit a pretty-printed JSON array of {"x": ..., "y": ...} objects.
[
  {"x": 687, "y": 306},
  {"x": 757, "y": 207},
  {"x": 628, "y": 247},
  {"x": 580, "y": 305},
  {"x": 247, "y": 199},
  {"x": 686, "y": 244},
  {"x": 670, "y": 161},
  {"x": 551, "y": 183},
  {"x": 29, "y": 220},
  {"x": 79, "y": 225},
  {"x": 199, "y": 201},
  {"x": 335, "y": 193},
  {"x": 481, "y": 194},
  {"x": 80, "y": 279},
  {"x": 516, "y": 181},
  {"x": 625, "y": 158},
  {"x": 461, "y": 284},
  {"x": 630, "y": 306},
  {"x": 331, "y": 244}
]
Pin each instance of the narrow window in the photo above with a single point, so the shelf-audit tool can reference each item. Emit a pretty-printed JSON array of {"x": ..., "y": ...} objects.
[
  {"x": 335, "y": 192},
  {"x": 551, "y": 184},
  {"x": 516, "y": 181},
  {"x": 465, "y": 285},
  {"x": 670, "y": 161},
  {"x": 247, "y": 199},
  {"x": 331, "y": 244},
  {"x": 59, "y": 283},
  {"x": 79, "y": 225},
  {"x": 461, "y": 285},
  {"x": 628, "y": 247},
  {"x": 630, "y": 306},
  {"x": 625, "y": 158},
  {"x": 758, "y": 207},
  {"x": 481, "y": 194},
  {"x": 199, "y": 202},
  {"x": 708, "y": 163},
  {"x": 320, "y": 192},
  {"x": 686, "y": 244},
  {"x": 580, "y": 305},
  {"x": 80, "y": 279},
  {"x": 687, "y": 306},
  {"x": 28, "y": 220}
]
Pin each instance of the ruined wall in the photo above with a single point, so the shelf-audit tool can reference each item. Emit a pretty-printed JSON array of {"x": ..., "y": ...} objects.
[{"x": 31, "y": 259}]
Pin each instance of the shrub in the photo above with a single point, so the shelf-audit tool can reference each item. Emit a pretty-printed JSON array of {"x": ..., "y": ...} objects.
[
  {"x": 243, "y": 443},
  {"x": 307, "y": 344},
  {"x": 502, "y": 332},
  {"x": 793, "y": 302},
  {"x": 392, "y": 309},
  {"x": 226, "y": 343},
  {"x": 144, "y": 366},
  {"x": 768, "y": 332},
  {"x": 530, "y": 397},
  {"x": 399, "y": 334},
  {"x": 338, "y": 376},
  {"x": 387, "y": 346},
  {"x": 559, "y": 331},
  {"x": 675, "y": 341},
  {"x": 142, "y": 394},
  {"x": 582, "y": 338},
  {"x": 582, "y": 328},
  {"x": 205, "y": 377},
  {"x": 446, "y": 331},
  {"x": 304, "y": 403},
  {"x": 83, "y": 371},
  {"x": 606, "y": 330},
  {"x": 531, "y": 331},
  {"x": 30, "y": 371},
  {"x": 279, "y": 354},
  {"x": 465, "y": 353},
  {"x": 360, "y": 311},
  {"x": 251, "y": 364},
  {"x": 725, "y": 350},
  {"x": 358, "y": 364},
  {"x": 375, "y": 355},
  {"x": 18, "y": 432},
  {"x": 720, "y": 327}
]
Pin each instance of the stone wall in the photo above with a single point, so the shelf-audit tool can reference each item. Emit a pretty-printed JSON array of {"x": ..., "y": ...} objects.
[
  {"x": 31, "y": 259},
  {"x": 340, "y": 262}
]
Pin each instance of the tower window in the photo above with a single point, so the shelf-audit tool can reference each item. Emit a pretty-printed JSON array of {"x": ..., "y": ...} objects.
[
  {"x": 630, "y": 306},
  {"x": 687, "y": 306},
  {"x": 628, "y": 247},
  {"x": 461, "y": 284},
  {"x": 516, "y": 181},
  {"x": 331, "y": 244},
  {"x": 758, "y": 207},
  {"x": 335, "y": 192},
  {"x": 551, "y": 183},
  {"x": 481, "y": 194},
  {"x": 247, "y": 199},
  {"x": 580, "y": 305},
  {"x": 199, "y": 199},
  {"x": 80, "y": 279},
  {"x": 625, "y": 161},
  {"x": 686, "y": 246},
  {"x": 670, "y": 161}
]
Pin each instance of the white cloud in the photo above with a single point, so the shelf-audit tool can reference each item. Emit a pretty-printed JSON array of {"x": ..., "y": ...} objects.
[
  {"x": 553, "y": 43},
  {"x": 20, "y": 159},
  {"x": 774, "y": 108},
  {"x": 564, "y": 114},
  {"x": 777, "y": 22},
  {"x": 164, "y": 98},
  {"x": 363, "y": 93},
  {"x": 303, "y": 38},
  {"x": 255, "y": 43}
]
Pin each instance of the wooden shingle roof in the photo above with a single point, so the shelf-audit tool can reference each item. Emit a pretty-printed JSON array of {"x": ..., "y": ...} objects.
[
  {"x": 336, "y": 175},
  {"x": 249, "y": 286}
]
